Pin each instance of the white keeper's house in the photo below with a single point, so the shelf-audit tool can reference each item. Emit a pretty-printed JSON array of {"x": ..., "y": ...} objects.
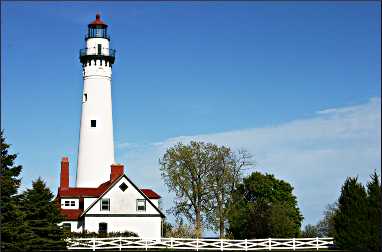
[{"x": 104, "y": 198}]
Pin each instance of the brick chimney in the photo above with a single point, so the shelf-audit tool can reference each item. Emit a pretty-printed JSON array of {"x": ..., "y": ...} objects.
[
  {"x": 116, "y": 171},
  {"x": 64, "y": 177}
]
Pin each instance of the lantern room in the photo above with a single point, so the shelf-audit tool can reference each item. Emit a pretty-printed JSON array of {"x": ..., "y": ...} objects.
[{"x": 97, "y": 29}]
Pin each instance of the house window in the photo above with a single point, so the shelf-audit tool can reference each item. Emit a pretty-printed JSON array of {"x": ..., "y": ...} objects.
[
  {"x": 72, "y": 203},
  {"x": 102, "y": 228},
  {"x": 67, "y": 203},
  {"x": 93, "y": 123},
  {"x": 105, "y": 204},
  {"x": 123, "y": 187},
  {"x": 141, "y": 205},
  {"x": 67, "y": 227}
]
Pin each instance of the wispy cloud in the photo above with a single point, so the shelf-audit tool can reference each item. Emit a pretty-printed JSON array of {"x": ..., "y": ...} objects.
[{"x": 315, "y": 155}]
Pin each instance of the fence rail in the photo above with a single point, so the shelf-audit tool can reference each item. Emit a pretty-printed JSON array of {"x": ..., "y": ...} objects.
[{"x": 199, "y": 244}]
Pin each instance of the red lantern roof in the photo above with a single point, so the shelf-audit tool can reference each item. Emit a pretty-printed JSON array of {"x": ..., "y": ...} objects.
[{"x": 97, "y": 21}]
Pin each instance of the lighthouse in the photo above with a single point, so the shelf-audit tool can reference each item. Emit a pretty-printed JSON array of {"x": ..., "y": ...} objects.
[
  {"x": 96, "y": 145},
  {"x": 104, "y": 199}
]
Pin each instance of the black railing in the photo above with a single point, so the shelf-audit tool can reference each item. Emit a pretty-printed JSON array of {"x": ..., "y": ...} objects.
[
  {"x": 106, "y": 36},
  {"x": 84, "y": 52}
]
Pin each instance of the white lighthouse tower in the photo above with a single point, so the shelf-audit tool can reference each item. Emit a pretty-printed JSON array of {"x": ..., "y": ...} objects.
[{"x": 96, "y": 146}]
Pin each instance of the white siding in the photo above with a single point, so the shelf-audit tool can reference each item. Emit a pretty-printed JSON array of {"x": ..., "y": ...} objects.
[
  {"x": 88, "y": 202},
  {"x": 146, "y": 227}
]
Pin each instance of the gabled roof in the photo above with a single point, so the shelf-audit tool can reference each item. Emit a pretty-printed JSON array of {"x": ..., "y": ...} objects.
[{"x": 140, "y": 191}]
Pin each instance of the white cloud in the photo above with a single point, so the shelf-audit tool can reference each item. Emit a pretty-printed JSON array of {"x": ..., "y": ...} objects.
[{"x": 315, "y": 155}]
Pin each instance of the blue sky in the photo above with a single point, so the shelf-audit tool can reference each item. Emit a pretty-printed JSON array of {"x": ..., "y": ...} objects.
[{"x": 297, "y": 84}]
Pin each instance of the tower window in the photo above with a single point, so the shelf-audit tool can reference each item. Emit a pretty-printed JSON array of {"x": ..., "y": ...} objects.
[
  {"x": 99, "y": 48},
  {"x": 93, "y": 123},
  {"x": 85, "y": 98}
]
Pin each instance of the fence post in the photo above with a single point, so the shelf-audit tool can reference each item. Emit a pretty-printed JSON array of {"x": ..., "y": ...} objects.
[
  {"x": 120, "y": 243},
  {"x": 245, "y": 244},
  {"x": 221, "y": 245},
  {"x": 317, "y": 243},
  {"x": 294, "y": 244},
  {"x": 94, "y": 244},
  {"x": 269, "y": 244},
  {"x": 171, "y": 242}
]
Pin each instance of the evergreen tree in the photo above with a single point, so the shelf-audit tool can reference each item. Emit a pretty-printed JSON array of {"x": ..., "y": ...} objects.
[
  {"x": 41, "y": 217},
  {"x": 11, "y": 216},
  {"x": 351, "y": 218},
  {"x": 374, "y": 212}
]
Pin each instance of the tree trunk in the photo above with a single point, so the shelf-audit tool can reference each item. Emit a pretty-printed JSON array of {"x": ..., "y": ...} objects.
[
  {"x": 221, "y": 226},
  {"x": 198, "y": 225}
]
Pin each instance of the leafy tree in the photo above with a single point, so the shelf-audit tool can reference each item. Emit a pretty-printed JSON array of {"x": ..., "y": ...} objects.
[
  {"x": 180, "y": 230},
  {"x": 374, "y": 212},
  {"x": 225, "y": 174},
  {"x": 281, "y": 220},
  {"x": 325, "y": 226},
  {"x": 41, "y": 217},
  {"x": 167, "y": 227},
  {"x": 11, "y": 216},
  {"x": 351, "y": 218},
  {"x": 257, "y": 205},
  {"x": 185, "y": 170},
  {"x": 203, "y": 176},
  {"x": 310, "y": 231}
]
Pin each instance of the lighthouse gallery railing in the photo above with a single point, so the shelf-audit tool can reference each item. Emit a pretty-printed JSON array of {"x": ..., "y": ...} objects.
[{"x": 199, "y": 244}]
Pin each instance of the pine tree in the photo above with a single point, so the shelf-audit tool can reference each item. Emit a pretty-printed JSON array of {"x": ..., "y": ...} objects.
[
  {"x": 41, "y": 217},
  {"x": 11, "y": 216},
  {"x": 351, "y": 219},
  {"x": 374, "y": 212}
]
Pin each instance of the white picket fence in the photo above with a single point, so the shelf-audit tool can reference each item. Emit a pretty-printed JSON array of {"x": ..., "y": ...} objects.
[{"x": 120, "y": 243}]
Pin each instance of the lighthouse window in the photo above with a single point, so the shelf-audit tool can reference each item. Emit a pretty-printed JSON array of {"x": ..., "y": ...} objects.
[
  {"x": 99, "y": 48},
  {"x": 105, "y": 204},
  {"x": 85, "y": 98},
  {"x": 141, "y": 205},
  {"x": 93, "y": 123}
]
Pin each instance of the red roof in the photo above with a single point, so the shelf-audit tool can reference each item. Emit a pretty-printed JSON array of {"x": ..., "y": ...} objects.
[
  {"x": 98, "y": 21},
  {"x": 96, "y": 192},
  {"x": 83, "y": 191},
  {"x": 71, "y": 214},
  {"x": 150, "y": 194}
]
